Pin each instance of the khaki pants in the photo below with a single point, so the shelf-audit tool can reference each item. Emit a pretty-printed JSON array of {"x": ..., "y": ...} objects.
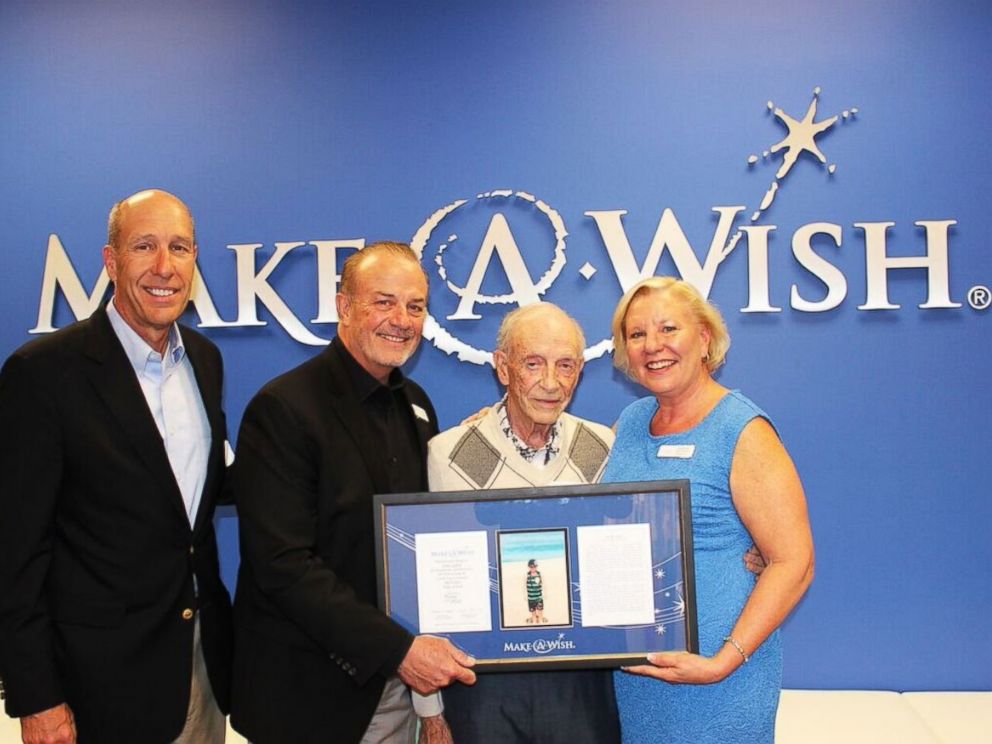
[{"x": 205, "y": 724}]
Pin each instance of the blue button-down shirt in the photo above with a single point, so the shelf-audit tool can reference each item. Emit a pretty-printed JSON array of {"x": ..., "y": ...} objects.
[{"x": 173, "y": 397}]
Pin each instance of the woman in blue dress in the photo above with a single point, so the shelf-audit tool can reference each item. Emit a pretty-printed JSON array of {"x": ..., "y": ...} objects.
[{"x": 745, "y": 489}]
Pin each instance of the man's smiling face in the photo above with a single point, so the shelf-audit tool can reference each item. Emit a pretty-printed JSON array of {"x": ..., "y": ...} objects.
[
  {"x": 152, "y": 264},
  {"x": 382, "y": 321}
]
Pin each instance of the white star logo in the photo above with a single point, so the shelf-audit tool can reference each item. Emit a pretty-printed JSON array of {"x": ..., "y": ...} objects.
[{"x": 801, "y": 137}]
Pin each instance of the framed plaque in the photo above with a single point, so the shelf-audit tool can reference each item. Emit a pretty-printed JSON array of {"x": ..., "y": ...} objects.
[{"x": 542, "y": 578}]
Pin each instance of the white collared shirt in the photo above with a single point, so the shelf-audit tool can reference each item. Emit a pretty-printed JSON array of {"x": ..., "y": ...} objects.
[{"x": 173, "y": 397}]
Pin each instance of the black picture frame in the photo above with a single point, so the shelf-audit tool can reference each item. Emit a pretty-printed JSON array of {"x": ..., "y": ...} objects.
[{"x": 664, "y": 506}]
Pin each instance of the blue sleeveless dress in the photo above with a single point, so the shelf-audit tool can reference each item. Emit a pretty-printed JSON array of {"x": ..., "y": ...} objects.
[{"x": 742, "y": 707}]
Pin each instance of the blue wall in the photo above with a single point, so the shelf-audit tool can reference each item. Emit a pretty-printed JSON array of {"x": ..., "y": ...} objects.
[{"x": 298, "y": 122}]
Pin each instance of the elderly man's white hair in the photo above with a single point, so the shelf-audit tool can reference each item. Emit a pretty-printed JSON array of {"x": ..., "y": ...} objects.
[{"x": 511, "y": 320}]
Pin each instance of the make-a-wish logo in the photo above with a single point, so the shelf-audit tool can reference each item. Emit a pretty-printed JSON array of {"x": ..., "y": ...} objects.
[
  {"x": 512, "y": 266},
  {"x": 506, "y": 248},
  {"x": 540, "y": 646}
]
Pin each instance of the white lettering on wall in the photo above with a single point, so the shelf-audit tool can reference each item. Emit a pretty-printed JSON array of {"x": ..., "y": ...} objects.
[
  {"x": 819, "y": 267},
  {"x": 328, "y": 277},
  {"x": 200, "y": 299},
  {"x": 254, "y": 287},
  {"x": 757, "y": 270},
  {"x": 498, "y": 240},
  {"x": 60, "y": 274},
  {"x": 668, "y": 235},
  {"x": 878, "y": 263}
]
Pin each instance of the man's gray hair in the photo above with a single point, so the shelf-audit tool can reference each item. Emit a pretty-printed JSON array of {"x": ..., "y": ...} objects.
[
  {"x": 354, "y": 262},
  {"x": 504, "y": 336}
]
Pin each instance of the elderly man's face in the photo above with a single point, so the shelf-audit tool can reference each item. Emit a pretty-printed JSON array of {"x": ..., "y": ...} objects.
[
  {"x": 541, "y": 369},
  {"x": 382, "y": 321},
  {"x": 152, "y": 264}
]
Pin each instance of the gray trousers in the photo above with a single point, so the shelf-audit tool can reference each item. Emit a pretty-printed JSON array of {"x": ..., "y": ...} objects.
[{"x": 394, "y": 721}]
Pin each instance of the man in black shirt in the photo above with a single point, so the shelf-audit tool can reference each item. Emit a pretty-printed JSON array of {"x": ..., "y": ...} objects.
[{"x": 315, "y": 660}]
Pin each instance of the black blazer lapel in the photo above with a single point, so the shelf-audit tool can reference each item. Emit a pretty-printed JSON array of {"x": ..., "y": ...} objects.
[{"x": 115, "y": 383}]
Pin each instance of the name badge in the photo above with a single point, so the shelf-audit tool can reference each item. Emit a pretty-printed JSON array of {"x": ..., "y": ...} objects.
[
  {"x": 680, "y": 451},
  {"x": 420, "y": 412}
]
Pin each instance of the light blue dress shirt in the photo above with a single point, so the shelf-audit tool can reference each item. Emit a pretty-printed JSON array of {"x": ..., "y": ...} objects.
[{"x": 173, "y": 397}]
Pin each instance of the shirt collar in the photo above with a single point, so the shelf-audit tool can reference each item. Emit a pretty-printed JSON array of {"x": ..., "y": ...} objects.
[
  {"x": 365, "y": 385},
  {"x": 536, "y": 456},
  {"x": 138, "y": 352}
]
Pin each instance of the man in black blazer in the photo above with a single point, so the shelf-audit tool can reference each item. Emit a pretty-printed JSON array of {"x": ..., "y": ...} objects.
[
  {"x": 114, "y": 623},
  {"x": 315, "y": 660}
]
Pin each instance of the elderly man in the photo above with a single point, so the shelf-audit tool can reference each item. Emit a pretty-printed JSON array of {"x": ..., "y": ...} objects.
[
  {"x": 528, "y": 439},
  {"x": 114, "y": 623},
  {"x": 315, "y": 660}
]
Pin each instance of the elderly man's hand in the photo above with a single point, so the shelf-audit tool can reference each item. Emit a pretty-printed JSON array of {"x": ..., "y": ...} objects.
[
  {"x": 433, "y": 663},
  {"x": 53, "y": 726},
  {"x": 434, "y": 730},
  {"x": 754, "y": 561}
]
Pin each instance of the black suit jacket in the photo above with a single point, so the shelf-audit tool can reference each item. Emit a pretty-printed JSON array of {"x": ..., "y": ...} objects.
[
  {"x": 313, "y": 651},
  {"x": 98, "y": 554}
]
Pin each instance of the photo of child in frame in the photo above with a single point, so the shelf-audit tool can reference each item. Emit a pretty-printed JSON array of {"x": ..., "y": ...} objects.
[
  {"x": 535, "y": 594},
  {"x": 534, "y": 578}
]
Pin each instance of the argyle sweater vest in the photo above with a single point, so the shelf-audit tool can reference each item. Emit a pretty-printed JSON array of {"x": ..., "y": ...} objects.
[{"x": 479, "y": 455}]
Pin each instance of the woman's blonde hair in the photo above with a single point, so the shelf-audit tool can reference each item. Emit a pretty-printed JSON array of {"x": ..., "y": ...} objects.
[{"x": 702, "y": 310}]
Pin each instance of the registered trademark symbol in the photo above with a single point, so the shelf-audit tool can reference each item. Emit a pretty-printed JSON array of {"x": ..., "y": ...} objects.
[{"x": 979, "y": 297}]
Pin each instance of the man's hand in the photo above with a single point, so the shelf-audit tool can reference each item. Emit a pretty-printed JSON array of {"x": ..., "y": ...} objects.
[
  {"x": 754, "y": 561},
  {"x": 477, "y": 416},
  {"x": 434, "y": 730},
  {"x": 433, "y": 663},
  {"x": 53, "y": 726}
]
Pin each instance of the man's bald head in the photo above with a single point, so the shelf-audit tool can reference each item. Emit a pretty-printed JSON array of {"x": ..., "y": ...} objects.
[{"x": 119, "y": 210}]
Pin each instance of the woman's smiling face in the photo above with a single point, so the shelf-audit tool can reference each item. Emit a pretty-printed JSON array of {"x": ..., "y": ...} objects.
[{"x": 666, "y": 344}]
